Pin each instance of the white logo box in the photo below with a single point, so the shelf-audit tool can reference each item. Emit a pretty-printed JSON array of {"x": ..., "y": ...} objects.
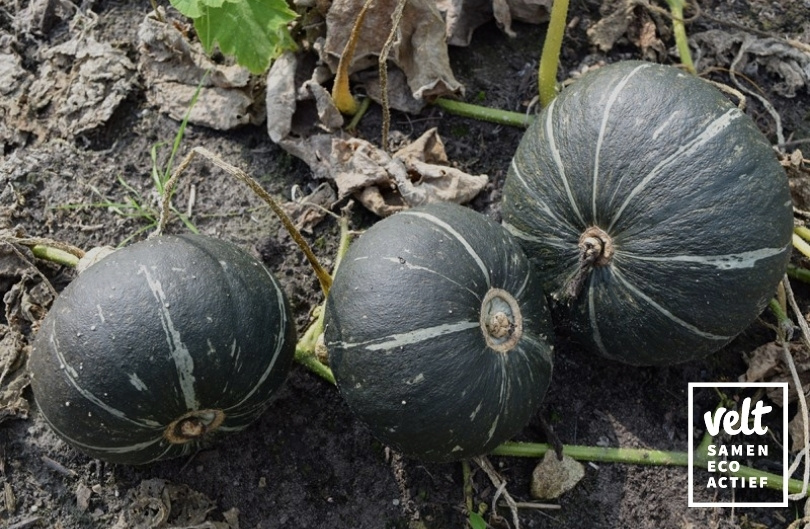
[{"x": 739, "y": 385}]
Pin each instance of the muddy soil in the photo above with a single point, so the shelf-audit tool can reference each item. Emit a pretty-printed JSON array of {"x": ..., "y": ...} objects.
[{"x": 307, "y": 463}]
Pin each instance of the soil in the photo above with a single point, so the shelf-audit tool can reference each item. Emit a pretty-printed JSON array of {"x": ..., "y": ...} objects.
[{"x": 307, "y": 463}]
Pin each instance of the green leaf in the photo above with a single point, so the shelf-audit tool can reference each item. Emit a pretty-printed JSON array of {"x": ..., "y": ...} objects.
[
  {"x": 477, "y": 521},
  {"x": 195, "y": 8},
  {"x": 253, "y": 31}
]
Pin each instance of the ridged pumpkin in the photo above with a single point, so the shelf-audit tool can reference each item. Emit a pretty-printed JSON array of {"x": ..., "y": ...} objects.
[
  {"x": 438, "y": 333},
  {"x": 160, "y": 344},
  {"x": 656, "y": 210}
]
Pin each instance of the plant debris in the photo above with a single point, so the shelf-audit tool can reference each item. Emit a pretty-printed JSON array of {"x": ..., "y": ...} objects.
[
  {"x": 798, "y": 172},
  {"x": 26, "y": 299},
  {"x": 463, "y": 16},
  {"x": 632, "y": 21},
  {"x": 304, "y": 122},
  {"x": 308, "y": 211},
  {"x": 157, "y": 503},
  {"x": 419, "y": 49},
  {"x": 788, "y": 61},
  {"x": 174, "y": 68},
  {"x": 766, "y": 364},
  {"x": 76, "y": 88}
]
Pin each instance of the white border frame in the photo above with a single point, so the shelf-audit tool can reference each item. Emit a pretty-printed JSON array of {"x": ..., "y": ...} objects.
[{"x": 784, "y": 386}]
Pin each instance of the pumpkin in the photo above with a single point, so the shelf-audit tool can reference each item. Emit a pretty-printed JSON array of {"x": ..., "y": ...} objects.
[
  {"x": 160, "y": 344},
  {"x": 438, "y": 333},
  {"x": 657, "y": 212}
]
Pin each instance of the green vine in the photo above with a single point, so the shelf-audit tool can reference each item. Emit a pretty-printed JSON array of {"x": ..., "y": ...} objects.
[
  {"x": 638, "y": 456},
  {"x": 678, "y": 28},
  {"x": 492, "y": 115},
  {"x": 550, "y": 56}
]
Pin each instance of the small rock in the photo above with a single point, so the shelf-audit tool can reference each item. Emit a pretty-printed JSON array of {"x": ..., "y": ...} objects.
[
  {"x": 83, "y": 493},
  {"x": 552, "y": 477}
]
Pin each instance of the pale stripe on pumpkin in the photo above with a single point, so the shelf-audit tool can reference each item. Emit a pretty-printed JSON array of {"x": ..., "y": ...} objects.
[
  {"x": 548, "y": 241},
  {"x": 541, "y": 205},
  {"x": 460, "y": 238},
  {"x": 181, "y": 356},
  {"x": 136, "y": 447},
  {"x": 709, "y": 133},
  {"x": 280, "y": 342},
  {"x": 603, "y": 127},
  {"x": 686, "y": 325},
  {"x": 596, "y": 335},
  {"x": 733, "y": 261},
  {"x": 410, "y": 266},
  {"x": 71, "y": 375},
  {"x": 555, "y": 155},
  {"x": 410, "y": 337},
  {"x": 137, "y": 382},
  {"x": 519, "y": 292}
]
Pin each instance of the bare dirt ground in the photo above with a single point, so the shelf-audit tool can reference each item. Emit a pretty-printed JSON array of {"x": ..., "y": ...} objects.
[{"x": 307, "y": 463}]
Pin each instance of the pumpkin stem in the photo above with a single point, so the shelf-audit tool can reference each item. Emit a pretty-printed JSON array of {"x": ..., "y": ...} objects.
[
  {"x": 595, "y": 249},
  {"x": 193, "y": 425},
  {"x": 501, "y": 321}
]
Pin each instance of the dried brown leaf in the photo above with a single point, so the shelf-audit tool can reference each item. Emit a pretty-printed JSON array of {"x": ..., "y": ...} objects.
[
  {"x": 464, "y": 16},
  {"x": 157, "y": 503},
  {"x": 633, "y": 21},
  {"x": 766, "y": 364},
  {"x": 419, "y": 49},
  {"x": 172, "y": 68},
  {"x": 787, "y": 64}
]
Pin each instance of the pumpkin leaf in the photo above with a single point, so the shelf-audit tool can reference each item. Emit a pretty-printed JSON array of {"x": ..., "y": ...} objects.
[
  {"x": 253, "y": 31},
  {"x": 195, "y": 8}
]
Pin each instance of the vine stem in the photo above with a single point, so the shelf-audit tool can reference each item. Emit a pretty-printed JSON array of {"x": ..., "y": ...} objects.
[
  {"x": 785, "y": 324},
  {"x": 550, "y": 56},
  {"x": 796, "y": 272},
  {"x": 55, "y": 255},
  {"x": 323, "y": 276},
  {"x": 492, "y": 115},
  {"x": 637, "y": 456},
  {"x": 679, "y": 29},
  {"x": 305, "y": 348},
  {"x": 801, "y": 234}
]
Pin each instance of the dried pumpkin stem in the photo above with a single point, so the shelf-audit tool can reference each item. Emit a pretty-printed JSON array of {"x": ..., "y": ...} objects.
[
  {"x": 595, "y": 249},
  {"x": 803, "y": 409},
  {"x": 396, "y": 17},
  {"x": 323, "y": 276}
]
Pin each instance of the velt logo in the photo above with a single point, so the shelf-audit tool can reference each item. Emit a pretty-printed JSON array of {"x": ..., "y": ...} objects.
[
  {"x": 730, "y": 418},
  {"x": 734, "y": 440}
]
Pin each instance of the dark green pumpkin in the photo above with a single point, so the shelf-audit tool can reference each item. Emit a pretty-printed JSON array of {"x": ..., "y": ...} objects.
[
  {"x": 656, "y": 210},
  {"x": 160, "y": 344},
  {"x": 437, "y": 332}
]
